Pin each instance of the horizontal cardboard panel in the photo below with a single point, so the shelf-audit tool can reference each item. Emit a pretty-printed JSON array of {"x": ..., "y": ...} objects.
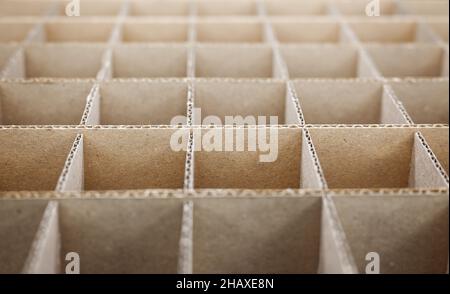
[
  {"x": 155, "y": 31},
  {"x": 293, "y": 7},
  {"x": 396, "y": 31},
  {"x": 96, "y": 8},
  {"x": 159, "y": 8},
  {"x": 431, "y": 7},
  {"x": 6, "y": 51},
  {"x": 317, "y": 31},
  {"x": 358, "y": 7},
  {"x": 24, "y": 7},
  {"x": 226, "y": 32},
  {"x": 226, "y": 7},
  {"x": 77, "y": 31},
  {"x": 15, "y": 31}
]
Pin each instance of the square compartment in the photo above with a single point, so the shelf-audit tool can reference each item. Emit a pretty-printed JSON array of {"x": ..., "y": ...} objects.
[
  {"x": 318, "y": 31},
  {"x": 230, "y": 31},
  {"x": 77, "y": 31},
  {"x": 226, "y": 7},
  {"x": 159, "y": 8},
  {"x": 137, "y": 31}
]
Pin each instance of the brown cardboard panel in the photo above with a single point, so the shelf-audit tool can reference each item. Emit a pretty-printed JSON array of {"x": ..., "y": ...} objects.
[
  {"x": 32, "y": 160},
  {"x": 406, "y": 60},
  {"x": 385, "y": 31},
  {"x": 14, "y": 31},
  {"x": 342, "y": 102},
  {"x": 440, "y": 28},
  {"x": 142, "y": 102},
  {"x": 295, "y": 7},
  {"x": 63, "y": 60},
  {"x": 155, "y": 31},
  {"x": 392, "y": 112},
  {"x": 19, "y": 221},
  {"x": 320, "y": 61},
  {"x": 439, "y": 143},
  {"x": 159, "y": 8},
  {"x": 43, "y": 103},
  {"x": 274, "y": 165},
  {"x": 241, "y": 61},
  {"x": 78, "y": 31},
  {"x": 6, "y": 51},
  {"x": 95, "y": 8},
  {"x": 24, "y": 7},
  {"x": 308, "y": 31},
  {"x": 429, "y": 7},
  {"x": 122, "y": 236},
  {"x": 409, "y": 234},
  {"x": 265, "y": 235},
  {"x": 358, "y": 7},
  {"x": 14, "y": 66},
  {"x": 226, "y": 7},
  {"x": 229, "y": 31},
  {"x": 367, "y": 157},
  {"x": 231, "y": 98},
  {"x": 138, "y": 61},
  {"x": 425, "y": 100}
]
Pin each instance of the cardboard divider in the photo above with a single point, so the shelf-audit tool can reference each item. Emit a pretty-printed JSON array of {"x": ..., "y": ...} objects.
[
  {"x": 138, "y": 61},
  {"x": 230, "y": 31},
  {"x": 140, "y": 31},
  {"x": 19, "y": 222},
  {"x": 248, "y": 158},
  {"x": 346, "y": 102},
  {"x": 63, "y": 60},
  {"x": 439, "y": 144},
  {"x": 6, "y": 52},
  {"x": 390, "y": 227},
  {"x": 426, "y": 100},
  {"x": 307, "y": 31},
  {"x": 159, "y": 8},
  {"x": 15, "y": 31},
  {"x": 44, "y": 102},
  {"x": 258, "y": 235},
  {"x": 295, "y": 7},
  {"x": 323, "y": 61},
  {"x": 254, "y": 101},
  {"x": 185, "y": 259},
  {"x": 23, "y": 155},
  {"x": 72, "y": 175},
  {"x": 122, "y": 236},
  {"x": 25, "y": 7},
  {"x": 358, "y": 7},
  {"x": 440, "y": 28},
  {"x": 94, "y": 8},
  {"x": 429, "y": 7},
  {"x": 250, "y": 61},
  {"x": 95, "y": 30},
  {"x": 407, "y": 60},
  {"x": 143, "y": 102},
  {"x": 362, "y": 158},
  {"x": 226, "y": 7}
]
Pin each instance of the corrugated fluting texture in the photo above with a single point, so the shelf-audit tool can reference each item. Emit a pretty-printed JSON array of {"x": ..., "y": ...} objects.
[{"x": 224, "y": 136}]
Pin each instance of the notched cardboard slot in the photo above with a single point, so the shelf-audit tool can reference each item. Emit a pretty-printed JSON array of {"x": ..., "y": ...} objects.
[
  {"x": 159, "y": 8},
  {"x": 63, "y": 60},
  {"x": 77, "y": 31},
  {"x": 407, "y": 61},
  {"x": 346, "y": 102},
  {"x": 358, "y": 7},
  {"x": 19, "y": 222},
  {"x": 266, "y": 236},
  {"x": 226, "y": 7},
  {"x": 43, "y": 103},
  {"x": 372, "y": 158},
  {"x": 143, "y": 102},
  {"x": 295, "y": 7},
  {"x": 136, "y": 31},
  {"x": 426, "y": 101},
  {"x": 122, "y": 236},
  {"x": 139, "y": 61},
  {"x": 241, "y": 61},
  {"x": 410, "y": 235},
  {"x": 230, "y": 31},
  {"x": 247, "y": 158},
  {"x": 14, "y": 31},
  {"x": 32, "y": 161},
  {"x": 314, "y": 31}
]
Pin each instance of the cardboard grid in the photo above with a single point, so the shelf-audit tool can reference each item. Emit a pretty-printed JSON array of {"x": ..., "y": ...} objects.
[{"x": 86, "y": 121}]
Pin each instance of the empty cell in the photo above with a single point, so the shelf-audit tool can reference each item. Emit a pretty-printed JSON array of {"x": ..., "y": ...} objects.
[
  {"x": 426, "y": 101},
  {"x": 247, "y": 158},
  {"x": 226, "y": 7},
  {"x": 149, "y": 102},
  {"x": 15, "y": 31},
  {"x": 296, "y": 7},
  {"x": 320, "y": 31},
  {"x": 233, "y": 61},
  {"x": 230, "y": 31},
  {"x": 375, "y": 158},
  {"x": 93, "y": 8},
  {"x": 32, "y": 160},
  {"x": 78, "y": 31},
  {"x": 429, "y": 7},
  {"x": 19, "y": 222},
  {"x": 6, "y": 52},
  {"x": 361, "y": 7},
  {"x": 155, "y": 31},
  {"x": 139, "y": 61},
  {"x": 25, "y": 7},
  {"x": 43, "y": 103},
  {"x": 121, "y": 236},
  {"x": 407, "y": 60},
  {"x": 346, "y": 102},
  {"x": 159, "y": 8},
  {"x": 257, "y": 235},
  {"x": 321, "y": 61},
  {"x": 247, "y": 100},
  {"x": 63, "y": 60},
  {"x": 409, "y": 233},
  {"x": 440, "y": 28}
]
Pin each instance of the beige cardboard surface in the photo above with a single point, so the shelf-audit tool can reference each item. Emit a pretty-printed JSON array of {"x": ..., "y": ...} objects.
[
  {"x": 24, "y": 8},
  {"x": 155, "y": 31},
  {"x": 409, "y": 236},
  {"x": 392, "y": 111},
  {"x": 306, "y": 31},
  {"x": 14, "y": 31},
  {"x": 311, "y": 176},
  {"x": 440, "y": 28},
  {"x": 6, "y": 51},
  {"x": 384, "y": 31},
  {"x": 72, "y": 175},
  {"x": 226, "y": 7},
  {"x": 80, "y": 31},
  {"x": 257, "y": 235},
  {"x": 293, "y": 7},
  {"x": 226, "y": 32},
  {"x": 159, "y": 8},
  {"x": 439, "y": 143},
  {"x": 432, "y": 7}
]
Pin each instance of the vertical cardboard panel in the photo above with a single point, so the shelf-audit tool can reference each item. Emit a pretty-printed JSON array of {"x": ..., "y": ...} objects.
[
  {"x": 185, "y": 260},
  {"x": 72, "y": 176}
]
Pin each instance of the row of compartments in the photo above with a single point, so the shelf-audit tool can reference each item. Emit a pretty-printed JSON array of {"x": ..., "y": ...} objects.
[
  {"x": 222, "y": 7},
  {"x": 269, "y": 235},
  {"x": 228, "y": 61},
  {"x": 316, "y": 30},
  {"x": 165, "y": 102},
  {"x": 77, "y": 159}
]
